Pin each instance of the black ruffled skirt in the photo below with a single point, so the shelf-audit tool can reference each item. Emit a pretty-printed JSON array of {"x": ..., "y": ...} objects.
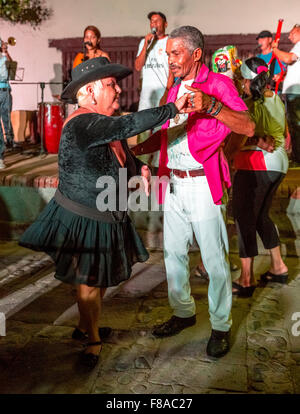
[{"x": 85, "y": 251}]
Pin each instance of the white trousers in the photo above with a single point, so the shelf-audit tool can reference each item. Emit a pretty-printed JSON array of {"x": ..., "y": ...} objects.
[{"x": 189, "y": 210}]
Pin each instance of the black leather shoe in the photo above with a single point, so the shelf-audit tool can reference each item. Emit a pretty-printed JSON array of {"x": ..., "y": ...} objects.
[
  {"x": 82, "y": 336},
  {"x": 173, "y": 326},
  {"x": 218, "y": 344},
  {"x": 90, "y": 360}
]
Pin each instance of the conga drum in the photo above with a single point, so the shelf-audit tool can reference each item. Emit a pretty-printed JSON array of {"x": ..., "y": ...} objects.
[{"x": 52, "y": 119}]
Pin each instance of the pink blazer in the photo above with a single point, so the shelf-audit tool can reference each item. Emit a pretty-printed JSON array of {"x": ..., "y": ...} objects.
[{"x": 205, "y": 133}]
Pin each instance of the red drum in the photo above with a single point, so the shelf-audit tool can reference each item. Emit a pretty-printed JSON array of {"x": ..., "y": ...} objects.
[{"x": 53, "y": 119}]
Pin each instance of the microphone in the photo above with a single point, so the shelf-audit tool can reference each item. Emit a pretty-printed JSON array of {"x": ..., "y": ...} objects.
[
  {"x": 154, "y": 39},
  {"x": 88, "y": 44}
]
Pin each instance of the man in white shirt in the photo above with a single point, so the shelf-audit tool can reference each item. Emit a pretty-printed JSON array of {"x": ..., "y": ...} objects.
[
  {"x": 195, "y": 198},
  {"x": 291, "y": 87},
  {"x": 152, "y": 60}
]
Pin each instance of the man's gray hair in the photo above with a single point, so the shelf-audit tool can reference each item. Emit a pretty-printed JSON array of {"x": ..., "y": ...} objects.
[{"x": 192, "y": 37}]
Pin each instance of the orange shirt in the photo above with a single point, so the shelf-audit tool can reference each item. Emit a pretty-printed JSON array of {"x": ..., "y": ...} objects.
[
  {"x": 78, "y": 59},
  {"x": 80, "y": 56}
]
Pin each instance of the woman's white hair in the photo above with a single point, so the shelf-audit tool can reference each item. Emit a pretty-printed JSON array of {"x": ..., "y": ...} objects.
[{"x": 83, "y": 96}]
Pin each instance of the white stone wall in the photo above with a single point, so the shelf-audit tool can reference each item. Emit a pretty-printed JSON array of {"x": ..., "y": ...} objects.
[{"x": 125, "y": 18}]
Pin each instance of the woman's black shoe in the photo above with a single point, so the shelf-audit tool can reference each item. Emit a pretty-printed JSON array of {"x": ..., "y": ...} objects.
[
  {"x": 218, "y": 344},
  {"x": 241, "y": 291},
  {"x": 271, "y": 277},
  {"x": 82, "y": 336},
  {"x": 88, "y": 359}
]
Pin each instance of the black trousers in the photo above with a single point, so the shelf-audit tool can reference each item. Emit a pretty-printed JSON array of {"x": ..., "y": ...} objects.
[{"x": 252, "y": 197}]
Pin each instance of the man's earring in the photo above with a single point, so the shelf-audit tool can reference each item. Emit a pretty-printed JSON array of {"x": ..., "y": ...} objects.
[{"x": 94, "y": 101}]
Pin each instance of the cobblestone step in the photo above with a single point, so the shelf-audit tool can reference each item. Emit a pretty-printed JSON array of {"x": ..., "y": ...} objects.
[
  {"x": 11, "y": 304},
  {"x": 13, "y": 274},
  {"x": 23, "y": 267}
]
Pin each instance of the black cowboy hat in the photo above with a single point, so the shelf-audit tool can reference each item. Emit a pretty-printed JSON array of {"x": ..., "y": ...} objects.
[{"x": 92, "y": 70}]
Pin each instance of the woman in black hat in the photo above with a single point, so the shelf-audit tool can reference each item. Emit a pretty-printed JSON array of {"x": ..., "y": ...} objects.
[{"x": 94, "y": 249}]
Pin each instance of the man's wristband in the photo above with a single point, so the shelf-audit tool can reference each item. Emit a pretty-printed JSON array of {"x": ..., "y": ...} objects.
[
  {"x": 220, "y": 106},
  {"x": 213, "y": 102}
]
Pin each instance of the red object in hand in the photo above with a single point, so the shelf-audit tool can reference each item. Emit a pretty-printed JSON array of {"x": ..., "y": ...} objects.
[
  {"x": 279, "y": 27},
  {"x": 277, "y": 38}
]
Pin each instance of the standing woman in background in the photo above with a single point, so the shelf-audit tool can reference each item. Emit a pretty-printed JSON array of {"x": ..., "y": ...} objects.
[
  {"x": 91, "y": 41},
  {"x": 261, "y": 166}
]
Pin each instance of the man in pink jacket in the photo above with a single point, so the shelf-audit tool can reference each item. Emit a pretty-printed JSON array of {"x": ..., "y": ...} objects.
[{"x": 195, "y": 198}]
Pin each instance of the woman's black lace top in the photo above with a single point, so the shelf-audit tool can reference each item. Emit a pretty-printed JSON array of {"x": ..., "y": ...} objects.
[{"x": 85, "y": 156}]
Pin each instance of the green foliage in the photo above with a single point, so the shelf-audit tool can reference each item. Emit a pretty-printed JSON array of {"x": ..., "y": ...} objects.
[{"x": 32, "y": 12}]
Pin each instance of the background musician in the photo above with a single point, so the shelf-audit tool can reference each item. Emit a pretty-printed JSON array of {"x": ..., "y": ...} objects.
[
  {"x": 5, "y": 103},
  {"x": 92, "y": 49}
]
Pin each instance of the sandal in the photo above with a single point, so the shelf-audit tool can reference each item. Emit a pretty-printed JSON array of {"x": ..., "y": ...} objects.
[
  {"x": 271, "y": 277},
  {"x": 243, "y": 292},
  {"x": 88, "y": 359},
  {"x": 81, "y": 336},
  {"x": 201, "y": 273}
]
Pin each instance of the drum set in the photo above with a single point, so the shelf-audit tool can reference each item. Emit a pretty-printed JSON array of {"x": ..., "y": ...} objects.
[{"x": 50, "y": 120}]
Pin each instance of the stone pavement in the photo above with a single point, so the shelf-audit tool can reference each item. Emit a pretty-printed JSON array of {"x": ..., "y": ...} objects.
[{"x": 38, "y": 356}]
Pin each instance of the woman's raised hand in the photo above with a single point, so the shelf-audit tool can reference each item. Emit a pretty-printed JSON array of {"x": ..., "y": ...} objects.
[
  {"x": 198, "y": 100},
  {"x": 182, "y": 102},
  {"x": 194, "y": 101}
]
